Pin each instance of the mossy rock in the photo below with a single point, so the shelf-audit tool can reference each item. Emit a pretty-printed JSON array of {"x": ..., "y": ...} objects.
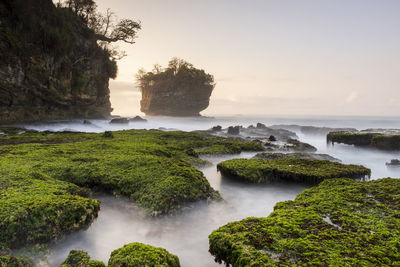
[
  {"x": 137, "y": 254},
  {"x": 149, "y": 167},
  {"x": 297, "y": 155},
  {"x": 289, "y": 169},
  {"x": 40, "y": 209},
  {"x": 375, "y": 140},
  {"x": 13, "y": 261},
  {"x": 340, "y": 222},
  {"x": 80, "y": 258}
]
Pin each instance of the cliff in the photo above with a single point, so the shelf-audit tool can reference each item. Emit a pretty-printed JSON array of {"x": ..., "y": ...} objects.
[
  {"x": 179, "y": 90},
  {"x": 51, "y": 66}
]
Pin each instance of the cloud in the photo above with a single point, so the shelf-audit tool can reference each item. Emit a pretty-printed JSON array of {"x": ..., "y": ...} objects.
[{"x": 351, "y": 97}]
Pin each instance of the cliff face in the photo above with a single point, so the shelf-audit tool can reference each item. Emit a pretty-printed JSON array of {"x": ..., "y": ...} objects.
[
  {"x": 51, "y": 66},
  {"x": 179, "y": 90}
]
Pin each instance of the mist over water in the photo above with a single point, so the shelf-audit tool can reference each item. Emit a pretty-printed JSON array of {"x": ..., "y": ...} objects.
[{"x": 186, "y": 234}]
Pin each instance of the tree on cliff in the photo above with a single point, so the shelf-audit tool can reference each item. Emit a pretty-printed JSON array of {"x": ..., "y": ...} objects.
[
  {"x": 177, "y": 90},
  {"x": 107, "y": 27}
]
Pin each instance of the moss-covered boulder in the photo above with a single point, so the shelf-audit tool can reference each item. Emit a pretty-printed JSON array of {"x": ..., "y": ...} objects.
[
  {"x": 39, "y": 209},
  {"x": 289, "y": 169},
  {"x": 13, "y": 261},
  {"x": 384, "y": 141},
  {"x": 80, "y": 258},
  {"x": 340, "y": 222},
  {"x": 137, "y": 254}
]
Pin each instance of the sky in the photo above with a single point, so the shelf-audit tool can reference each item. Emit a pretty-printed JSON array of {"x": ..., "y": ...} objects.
[{"x": 270, "y": 57}]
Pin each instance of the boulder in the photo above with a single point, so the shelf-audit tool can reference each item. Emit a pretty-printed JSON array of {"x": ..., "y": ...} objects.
[
  {"x": 138, "y": 254},
  {"x": 217, "y": 128},
  {"x": 120, "y": 120},
  {"x": 393, "y": 162},
  {"x": 234, "y": 130},
  {"x": 137, "y": 119},
  {"x": 296, "y": 145}
]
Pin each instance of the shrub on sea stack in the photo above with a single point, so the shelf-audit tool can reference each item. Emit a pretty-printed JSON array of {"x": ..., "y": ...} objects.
[
  {"x": 340, "y": 222},
  {"x": 137, "y": 254},
  {"x": 289, "y": 169}
]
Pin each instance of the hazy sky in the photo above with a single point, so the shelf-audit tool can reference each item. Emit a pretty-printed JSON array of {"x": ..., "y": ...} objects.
[{"x": 299, "y": 57}]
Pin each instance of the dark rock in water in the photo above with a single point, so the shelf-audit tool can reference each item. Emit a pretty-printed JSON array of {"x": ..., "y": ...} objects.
[
  {"x": 42, "y": 71},
  {"x": 310, "y": 130},
  {"x": 120, "y": 120},
  {"x": 234, "y": 130},
  {"x": 251, "y": 127},
  {"x": 298, "y": 155},
  {"x": 217, "y": 128},
  {"x": 87, "y": 122},
  {"x": 137, "y": 119},
  {"x": 393, "y": 162},
  {"x": 179, "y": 90},
  {"x": 296, "y": 145},
  {"x": 271, "y": 138},
  {"x": 261, "y": 126},
  {"x": 108, "y": 134}
]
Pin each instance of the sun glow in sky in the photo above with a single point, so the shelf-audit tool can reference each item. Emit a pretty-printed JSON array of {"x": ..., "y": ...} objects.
[{"x": 281, "y": 57}]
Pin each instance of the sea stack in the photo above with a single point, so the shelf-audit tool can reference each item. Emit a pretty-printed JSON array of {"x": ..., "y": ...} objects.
[{"x": 179, "y": 90}]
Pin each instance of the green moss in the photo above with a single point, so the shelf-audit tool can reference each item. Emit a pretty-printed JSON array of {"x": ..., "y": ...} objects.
[
  {"x": 230, "y": 147},
  {"x": 39, "y": 209},
  {"x": 376, "y": 140},
  {"x": 12, "y": 261},
  {"x": 79, "y": 258},
  {"x": 289, "y": 169},
  {"x": 137, "y": 254},
  {"x": 340, "y": 222},
  {"x": 150, "y": 167}
]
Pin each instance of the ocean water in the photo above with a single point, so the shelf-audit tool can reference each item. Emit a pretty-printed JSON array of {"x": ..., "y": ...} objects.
[{"x": 186, "y": 234}]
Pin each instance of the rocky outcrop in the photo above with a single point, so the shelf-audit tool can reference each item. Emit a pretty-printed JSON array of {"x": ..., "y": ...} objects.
[
  {"x": 296, "y": 155},
  {"x": 380, "y": 140},
  {"x": 51, "y": 66},
  {"x": 179, "y": 90}
]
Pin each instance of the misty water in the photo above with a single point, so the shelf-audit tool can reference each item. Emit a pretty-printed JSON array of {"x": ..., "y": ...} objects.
[{"x": 186, "y": 234}]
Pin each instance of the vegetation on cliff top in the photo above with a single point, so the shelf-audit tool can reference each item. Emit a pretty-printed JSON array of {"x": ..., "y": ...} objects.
[
  {"x": 56, "y": 60},
  {"x": 178, "y": 90},
  {"x": 289, "y": 169},
  {"x": 340, "y": 222},
  {"x": 376, "y": 140}
]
